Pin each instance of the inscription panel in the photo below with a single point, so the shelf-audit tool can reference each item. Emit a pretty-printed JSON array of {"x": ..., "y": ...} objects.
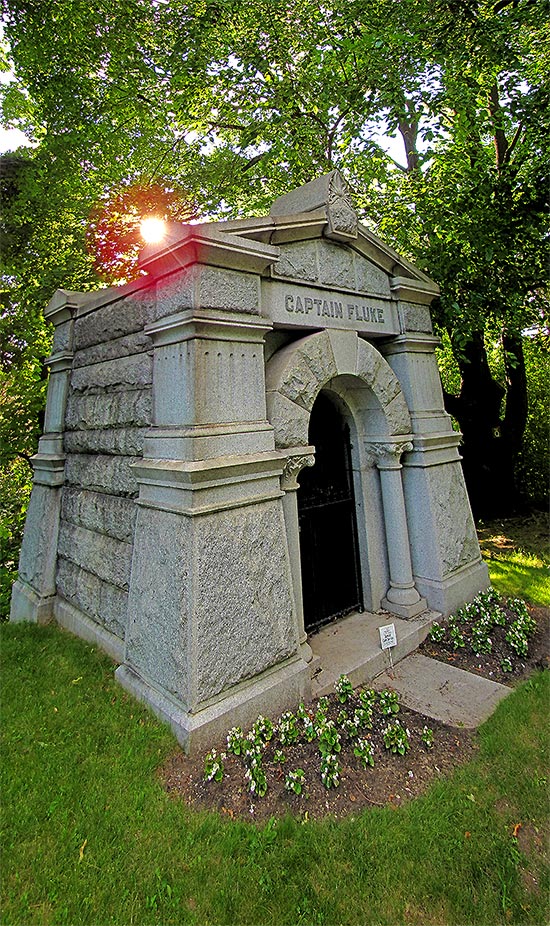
[{"x": 289, "y": 305}]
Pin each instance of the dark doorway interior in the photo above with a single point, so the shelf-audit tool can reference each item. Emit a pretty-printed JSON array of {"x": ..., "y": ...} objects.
[{"x": 331, "y": 575}]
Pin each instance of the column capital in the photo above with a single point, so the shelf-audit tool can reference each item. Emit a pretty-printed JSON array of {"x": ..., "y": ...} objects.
[
  {"x": 296, "y": 459},
  {"x": 60, "y": 361},
  {"x": 63, "y": 306},
  {"x": 387, "y": 454}
]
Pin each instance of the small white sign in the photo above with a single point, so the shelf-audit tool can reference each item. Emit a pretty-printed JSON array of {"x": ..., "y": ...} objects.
[{"x": 388, "y": 637}]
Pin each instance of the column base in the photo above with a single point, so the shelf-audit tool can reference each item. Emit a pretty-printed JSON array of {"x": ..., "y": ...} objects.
[
  {"x": 306, "y": 652},
  {"x": 28, "y": 605},
  {"x": 278, "y": 689},
  {"x": 404, "y": 610}
]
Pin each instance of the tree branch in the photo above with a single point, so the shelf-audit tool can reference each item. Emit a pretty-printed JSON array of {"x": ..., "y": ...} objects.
[
  {"x": 514, "y": 142},
  {"x": 501, "y": 142}
]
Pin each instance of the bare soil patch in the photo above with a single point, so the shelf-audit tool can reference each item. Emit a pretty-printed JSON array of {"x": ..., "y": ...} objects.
[{"x": 393, "y": 780}]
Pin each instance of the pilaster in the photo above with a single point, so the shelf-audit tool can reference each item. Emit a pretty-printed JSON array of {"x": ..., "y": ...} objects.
[
  {"x": 33, "y": 594},
  {"x": 211, "y": 604},
  {"x": 446, "y": 560}
]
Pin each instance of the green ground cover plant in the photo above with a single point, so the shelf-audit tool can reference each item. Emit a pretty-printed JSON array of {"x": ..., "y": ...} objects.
[
  {"x": 486, "y": 622},
  {"x": 353, "y": 729},
  {"x": 90, "y": 836}
]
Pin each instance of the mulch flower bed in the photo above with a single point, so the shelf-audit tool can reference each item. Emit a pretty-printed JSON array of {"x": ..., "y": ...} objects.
[{"x": 352, "y": 750}]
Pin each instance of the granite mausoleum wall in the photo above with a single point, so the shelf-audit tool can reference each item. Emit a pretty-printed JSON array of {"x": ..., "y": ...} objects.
[
  {"x": 164, "y": 519},
  {"x": 108, "y": 410}
]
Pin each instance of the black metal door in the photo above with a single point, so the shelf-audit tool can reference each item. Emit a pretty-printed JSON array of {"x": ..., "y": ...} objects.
[{"x": 331, "y": 576}]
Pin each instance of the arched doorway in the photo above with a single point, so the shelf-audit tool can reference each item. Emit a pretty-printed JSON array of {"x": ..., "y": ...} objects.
[{"x": 329, "y": 549}]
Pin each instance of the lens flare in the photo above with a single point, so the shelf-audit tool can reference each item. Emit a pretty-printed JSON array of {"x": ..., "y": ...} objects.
[{"x": 152, "y": 230}]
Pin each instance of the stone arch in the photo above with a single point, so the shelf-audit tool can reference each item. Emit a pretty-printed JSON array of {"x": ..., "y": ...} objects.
[{"x": 296, "y": 374}]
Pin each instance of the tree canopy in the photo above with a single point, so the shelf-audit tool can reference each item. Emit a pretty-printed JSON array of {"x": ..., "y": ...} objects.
[{"x": 191, "y": 108}]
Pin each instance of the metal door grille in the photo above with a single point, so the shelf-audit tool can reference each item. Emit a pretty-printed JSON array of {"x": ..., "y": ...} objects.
[{"x": 331, "y": 576}]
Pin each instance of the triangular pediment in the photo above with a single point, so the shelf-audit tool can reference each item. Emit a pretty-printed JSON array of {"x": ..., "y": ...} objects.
[
  {"x": 322, "y": 211},
  {"x": 311, "y": 237}
]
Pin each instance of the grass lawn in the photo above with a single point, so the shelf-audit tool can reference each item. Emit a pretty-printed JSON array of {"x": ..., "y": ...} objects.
[
  {"x": 517, "y": 553},
  {"x": 89, "y": 836}
]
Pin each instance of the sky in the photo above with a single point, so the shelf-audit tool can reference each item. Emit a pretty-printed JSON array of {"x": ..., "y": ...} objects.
[{"x": 10, "y": 139}]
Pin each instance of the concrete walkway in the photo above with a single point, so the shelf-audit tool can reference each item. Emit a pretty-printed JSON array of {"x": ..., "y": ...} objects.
[
  {"x": 351, "y": 646},
  {"x": 443, "y": 692}
]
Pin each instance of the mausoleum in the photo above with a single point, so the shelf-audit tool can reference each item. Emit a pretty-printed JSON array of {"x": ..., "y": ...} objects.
[{"x": 241, "y": 446}]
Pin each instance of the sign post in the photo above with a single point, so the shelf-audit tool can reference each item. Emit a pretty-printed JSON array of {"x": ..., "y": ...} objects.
[{"x": 388, "y": 639}]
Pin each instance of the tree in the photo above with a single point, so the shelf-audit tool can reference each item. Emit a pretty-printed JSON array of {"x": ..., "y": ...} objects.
[{"x": 238, "y": 100}]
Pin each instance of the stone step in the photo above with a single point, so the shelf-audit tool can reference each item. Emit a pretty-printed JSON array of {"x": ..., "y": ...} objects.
[
  {"x": 351, "y": 646},
  {"x": 443, "y": 692}
]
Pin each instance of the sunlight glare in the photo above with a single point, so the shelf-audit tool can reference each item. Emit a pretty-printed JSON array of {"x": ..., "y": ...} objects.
[{"x": 152, "y": 230}]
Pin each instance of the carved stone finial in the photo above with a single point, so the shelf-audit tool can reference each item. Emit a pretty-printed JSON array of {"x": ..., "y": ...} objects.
[
  {"x": 342, "y": 217},
  {"x": 329, "y": 192}
]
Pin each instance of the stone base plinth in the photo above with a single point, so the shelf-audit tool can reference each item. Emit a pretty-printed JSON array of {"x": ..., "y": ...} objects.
[
  {"x": 404, "y": 610},
  {"x": 75, "y": 621},
  {"x": 454, "y": 590},
  {"x": 28, "y": 605},
  {"x": 270, "y": 693}
]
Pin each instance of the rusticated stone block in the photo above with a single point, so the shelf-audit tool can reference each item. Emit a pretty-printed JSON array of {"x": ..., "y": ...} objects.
[
  {"x": 175, "y": 293},
  {"x": 371, "y": 279},
  {"x": 454, "y": 524},
  {"x": 116, "y": 319},
  {"x": 136, "y": 370},
  {"x": 62, "y": 337},
  {"x": 299, "y": 370},
  {"x": 105, "y": 557},
  {"x": 228, "y": 289},
  {"x": 109, "y": 409},
  {"x": 104, "y": 603},
  {"x": 289, "y": 421},
  {"x": 397, "y": 416},
  {"x": 37, "y": 561},
  {"x": 122, "y": 441},
  {"x": 369, "y": 362},
  {"x": 387, "y": 384},
  {"x": 104, "y": 514},
  {"x": 101, "y": 473},
  {"x": 111, "y": 350},
  {"x": 336, "y": 266},
  {"x": 415, "y": 317},
  {"x": 298, "y": 261},
  {"x": 242, "y": 598},
  {"x": 158, "y": 638}
]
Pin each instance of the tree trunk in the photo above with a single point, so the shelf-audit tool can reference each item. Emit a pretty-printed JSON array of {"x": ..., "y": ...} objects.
[
  {"x": 513, "y": 425},
  {"x": 488, "y": 467}
]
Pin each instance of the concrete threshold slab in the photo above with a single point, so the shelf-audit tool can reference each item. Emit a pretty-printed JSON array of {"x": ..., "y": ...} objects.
[
  {"x": 443, "y": 692},
  {"x": 351, "y": 646}
]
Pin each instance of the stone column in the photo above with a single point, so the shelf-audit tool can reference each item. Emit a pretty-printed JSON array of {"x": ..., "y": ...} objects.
[
  {"x": 402, "y": 597},
  {"x": 446, "y": 559},
  {"x": 297, "y": 459},
  {"x": 33, "y": 593}
]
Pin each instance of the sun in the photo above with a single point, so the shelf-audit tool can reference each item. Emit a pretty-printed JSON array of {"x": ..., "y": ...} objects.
[{"x": 152, "y": 229}]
